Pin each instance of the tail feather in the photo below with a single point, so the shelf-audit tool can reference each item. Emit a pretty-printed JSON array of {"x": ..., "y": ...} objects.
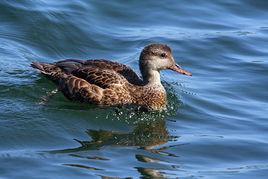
[
  {"x": 49, "y": 70},
  {"x": 38, "y": 65},
  {"x": 72, "y": 87},
  {"x": 45, "y": 68}
]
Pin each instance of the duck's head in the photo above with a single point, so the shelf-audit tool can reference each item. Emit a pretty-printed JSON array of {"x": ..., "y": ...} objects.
[{"x": 156, "y": 57}]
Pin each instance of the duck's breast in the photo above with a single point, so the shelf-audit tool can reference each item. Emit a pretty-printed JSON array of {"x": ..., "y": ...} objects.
[{"x": 151, "y": 97}]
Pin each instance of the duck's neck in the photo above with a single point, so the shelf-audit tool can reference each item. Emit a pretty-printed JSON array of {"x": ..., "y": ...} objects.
[{"x": 151, "y": 77}]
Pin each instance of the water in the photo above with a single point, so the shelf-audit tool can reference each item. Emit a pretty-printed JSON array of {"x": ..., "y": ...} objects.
[{"x": 216, "y": 124}]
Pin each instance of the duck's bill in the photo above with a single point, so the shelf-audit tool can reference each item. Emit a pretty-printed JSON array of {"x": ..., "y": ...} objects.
[{"x": 178, "y": 69}]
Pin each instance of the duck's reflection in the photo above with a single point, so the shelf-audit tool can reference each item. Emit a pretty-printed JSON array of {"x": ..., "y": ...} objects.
[
  {"x": 147, "y": 135},
  {"x": 148, "y": 172}
]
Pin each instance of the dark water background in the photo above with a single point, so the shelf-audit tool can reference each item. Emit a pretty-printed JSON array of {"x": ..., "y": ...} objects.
[{"x": 216, "y": 124}]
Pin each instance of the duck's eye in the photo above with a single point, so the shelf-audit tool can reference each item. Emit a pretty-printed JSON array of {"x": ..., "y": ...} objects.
[{"x": 163, "y": 55}]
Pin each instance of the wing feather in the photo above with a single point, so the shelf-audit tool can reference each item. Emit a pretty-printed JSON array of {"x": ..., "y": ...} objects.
[
  {"x": 71, "y": 66},
  {"x": 75, "y": 88},
  {"x": 102, "y": 78}
]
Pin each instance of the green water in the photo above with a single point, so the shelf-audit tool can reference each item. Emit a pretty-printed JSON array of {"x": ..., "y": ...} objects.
[{"x": 216, "y": 123}]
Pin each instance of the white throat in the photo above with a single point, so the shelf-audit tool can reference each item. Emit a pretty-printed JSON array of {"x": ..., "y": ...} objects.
[{"x": 153, "y": 78}]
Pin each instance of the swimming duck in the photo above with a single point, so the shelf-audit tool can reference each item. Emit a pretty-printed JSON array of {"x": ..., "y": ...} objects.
[{"x": 107, "y": 83}]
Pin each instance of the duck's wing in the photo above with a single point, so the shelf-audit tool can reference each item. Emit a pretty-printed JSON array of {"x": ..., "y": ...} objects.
[
  {"x": 71, "y": 65},
  {"x": 72, "y": 87},
  {"x": 103, "y": 78},
  {"x": 122, "y": 69}
]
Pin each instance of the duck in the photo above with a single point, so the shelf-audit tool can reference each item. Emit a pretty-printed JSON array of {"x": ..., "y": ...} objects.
[{"x": 103, "y": 82}]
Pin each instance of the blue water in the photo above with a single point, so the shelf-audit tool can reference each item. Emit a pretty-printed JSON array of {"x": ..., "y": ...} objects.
[{"x": 216, "y": 123}]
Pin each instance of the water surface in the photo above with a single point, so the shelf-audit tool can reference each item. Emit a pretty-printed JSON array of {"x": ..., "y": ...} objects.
[{"x": 216, "y": 123}]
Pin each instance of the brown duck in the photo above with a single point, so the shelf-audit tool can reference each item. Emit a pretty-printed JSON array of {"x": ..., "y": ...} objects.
[{"x": 108, "y": 83}]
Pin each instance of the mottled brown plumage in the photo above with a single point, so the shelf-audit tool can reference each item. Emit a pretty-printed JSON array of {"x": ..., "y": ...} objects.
[{"x": 108, "y": 83}]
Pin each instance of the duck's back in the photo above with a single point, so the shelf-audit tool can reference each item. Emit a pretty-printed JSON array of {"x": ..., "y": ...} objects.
[
  {"x": 97, "y": 67},
  {"x": 98, "y": 81}
]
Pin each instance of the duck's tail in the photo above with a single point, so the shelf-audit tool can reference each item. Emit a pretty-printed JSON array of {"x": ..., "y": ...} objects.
[
  {"x": 72, "y": 87},
  {"x": 44, "y": 68},
  {"x": 51, "y": 71}
]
